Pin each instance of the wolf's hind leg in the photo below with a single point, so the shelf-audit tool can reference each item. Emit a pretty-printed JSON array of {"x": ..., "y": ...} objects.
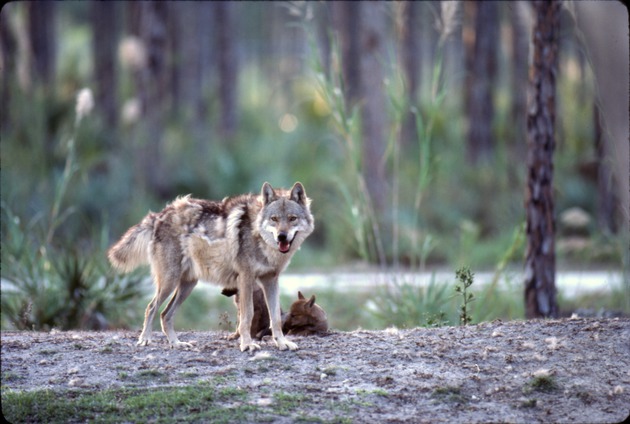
[
  {"x": 161, "y": 293},
  {"x": 184, "y": 289}
]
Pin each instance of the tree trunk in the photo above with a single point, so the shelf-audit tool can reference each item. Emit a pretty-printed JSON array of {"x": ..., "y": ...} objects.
[
  {"x": 105, "y": 42},
  {"x": 324, "y": 22},
  {"x": 188, "y": 76},
  {"x": 227, "y": 65},
  {"x": 540, "y": 267},
  {"x": 607, "y": 204},
  {"x": 373, "y": 113},
  {"x": 608, "y": 53},
  {"x": 347, "y": 21},
  {"x": 481, "y": 61},
  {"x": 8, "y": 64},
  {"x": 148, "y": 21},
  {"x": 520, "y": 51},
  {"x": 41, "y": 20},
  {"x": 411, "y": 64}
]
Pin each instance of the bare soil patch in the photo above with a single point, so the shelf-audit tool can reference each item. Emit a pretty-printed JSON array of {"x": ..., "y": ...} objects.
[{"x": 571, "y": 370}]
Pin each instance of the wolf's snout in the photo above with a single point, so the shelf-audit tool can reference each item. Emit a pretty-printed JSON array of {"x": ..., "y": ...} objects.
[{"x": 283, "y": 242}]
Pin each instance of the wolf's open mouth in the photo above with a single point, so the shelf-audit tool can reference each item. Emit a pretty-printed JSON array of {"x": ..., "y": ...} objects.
[{"x": 284, "y": 246}]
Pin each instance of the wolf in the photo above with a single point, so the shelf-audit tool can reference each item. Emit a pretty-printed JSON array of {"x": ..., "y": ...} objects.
[
  {"x": 304, "y": 318},
  {"x": 242, "y": 242}
]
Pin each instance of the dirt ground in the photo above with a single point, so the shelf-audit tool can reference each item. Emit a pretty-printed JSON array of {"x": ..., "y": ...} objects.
[{"x": 572, "y": 370}]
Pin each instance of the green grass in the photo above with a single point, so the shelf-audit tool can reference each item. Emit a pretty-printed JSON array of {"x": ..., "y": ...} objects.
[
  {"x": 205, "y": 402},
  {"x": 285, "y": 403},
  {"x": 160, "y": 405},
  {"x": 542, "y": 384},
  {"x": 449, "y": 394}
]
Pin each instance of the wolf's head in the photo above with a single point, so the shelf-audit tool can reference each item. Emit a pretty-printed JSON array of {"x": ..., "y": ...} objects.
[{"x": 285, "y": 219}]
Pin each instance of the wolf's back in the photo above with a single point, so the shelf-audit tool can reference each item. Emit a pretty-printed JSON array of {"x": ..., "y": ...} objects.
[{"x": 132, "y": 250}]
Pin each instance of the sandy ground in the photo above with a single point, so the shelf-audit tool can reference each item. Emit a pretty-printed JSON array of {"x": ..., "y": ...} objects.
[{"x": 572, "y": 370}]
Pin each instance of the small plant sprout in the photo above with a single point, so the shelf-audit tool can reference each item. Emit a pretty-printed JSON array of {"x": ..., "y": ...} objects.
[{"x": 465, "y": 276}]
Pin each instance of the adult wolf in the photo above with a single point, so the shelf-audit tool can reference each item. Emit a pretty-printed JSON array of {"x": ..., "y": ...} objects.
[{"x": 237, "y": 243}]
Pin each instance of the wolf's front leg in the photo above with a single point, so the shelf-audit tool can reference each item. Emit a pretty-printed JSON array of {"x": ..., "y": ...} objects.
[
  {"x": 272, "y": 297},
  {"x": 246, "y": 312}
]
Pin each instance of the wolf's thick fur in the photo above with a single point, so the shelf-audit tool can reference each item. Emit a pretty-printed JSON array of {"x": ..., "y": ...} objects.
[{"x": 236, "y": 243}]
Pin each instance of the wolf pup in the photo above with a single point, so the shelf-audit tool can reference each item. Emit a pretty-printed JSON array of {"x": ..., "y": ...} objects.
[
  {"x": 305, "y": 317},
  {"x": 241, "y": 243}
]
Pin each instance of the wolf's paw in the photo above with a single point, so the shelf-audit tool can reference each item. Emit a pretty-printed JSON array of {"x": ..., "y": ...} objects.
[
  {"x": 143, "y": 342},
  {"x": 233, "y": 336},
  {"x": 181, "y": 345},
  {"x": 249, "y": 347},
  {"x": 284, "y": 344}
]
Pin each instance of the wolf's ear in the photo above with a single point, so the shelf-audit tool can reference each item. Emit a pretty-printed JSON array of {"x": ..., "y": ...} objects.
[
  {"x": 300, "y": 295},
  {"x": 311, "y": 301},
  {"x": 267, "y": 193},
  {"x": 298, "y": 194}
]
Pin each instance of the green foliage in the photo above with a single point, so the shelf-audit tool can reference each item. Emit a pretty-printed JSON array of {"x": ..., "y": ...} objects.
[
  {"x": 407, "y": 305},
  {"x": 466, "y": 277},
  {"x": 66, "y": 292},
  {"x": 45, "y": 286}
]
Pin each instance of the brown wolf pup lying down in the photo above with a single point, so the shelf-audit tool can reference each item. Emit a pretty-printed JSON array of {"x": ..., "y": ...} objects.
[{"x": 304, "y": 318}]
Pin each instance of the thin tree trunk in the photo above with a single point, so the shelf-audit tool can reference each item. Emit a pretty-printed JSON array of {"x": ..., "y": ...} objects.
[
  {"x": 520, "y": 51},
  {"x": 481, "y": 61},
  {"x": 607, "y": 203},
  {"x": 105, "y": 40},
  {"x": 8, "y": 64},
  {"x": 41, "y": 20},
  {"x": 374, "y": 115},
  {"x": 347, "y": 21},
  {"x": 540, "y": 266},
  {"x": 148, "y": 21},
  {"x": 411, "y": 64},
  {"x": 42, "y": 52},
  {"x": 227, "y": 67}
]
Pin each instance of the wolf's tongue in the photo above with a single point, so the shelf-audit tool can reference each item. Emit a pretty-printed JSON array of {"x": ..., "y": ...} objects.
[{"x": 284, "y": 246}]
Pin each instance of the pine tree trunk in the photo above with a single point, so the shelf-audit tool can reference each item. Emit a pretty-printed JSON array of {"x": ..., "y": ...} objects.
[
  {"x": 540, "y": 267},
  {"x": 520, "y": 50},
  {"x": 607, "y": 202},
  {"x": 227, "y": 67},
  {"x": 149, "y": 22},
  {"x": 104, "y": 19},
  {"x": 411, "y": 64},
  {"x": 374, "y": 117},
  {"x": 42, "y": 34},
  {"x": 481, "y": 66},
  {"x": 347, "y": 22}
]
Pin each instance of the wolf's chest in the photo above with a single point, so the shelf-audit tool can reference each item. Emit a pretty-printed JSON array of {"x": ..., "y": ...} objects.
[{"x": 220, "y": 262}]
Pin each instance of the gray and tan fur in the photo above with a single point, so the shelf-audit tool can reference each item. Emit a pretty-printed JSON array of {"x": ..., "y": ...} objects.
[{"x": 241, "y": 242}]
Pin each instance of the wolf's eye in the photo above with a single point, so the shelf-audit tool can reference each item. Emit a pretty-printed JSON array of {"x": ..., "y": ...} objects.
[
  {"x": 292, "y": 218},
  {"x": 274, "y": 218}
]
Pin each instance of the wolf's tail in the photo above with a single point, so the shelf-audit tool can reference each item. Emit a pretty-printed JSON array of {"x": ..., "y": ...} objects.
[{"x": 132, "y": 250}]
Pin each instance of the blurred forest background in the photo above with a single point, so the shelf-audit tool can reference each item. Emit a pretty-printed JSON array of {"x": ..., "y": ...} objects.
[{"x": 406, "y": 122}]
